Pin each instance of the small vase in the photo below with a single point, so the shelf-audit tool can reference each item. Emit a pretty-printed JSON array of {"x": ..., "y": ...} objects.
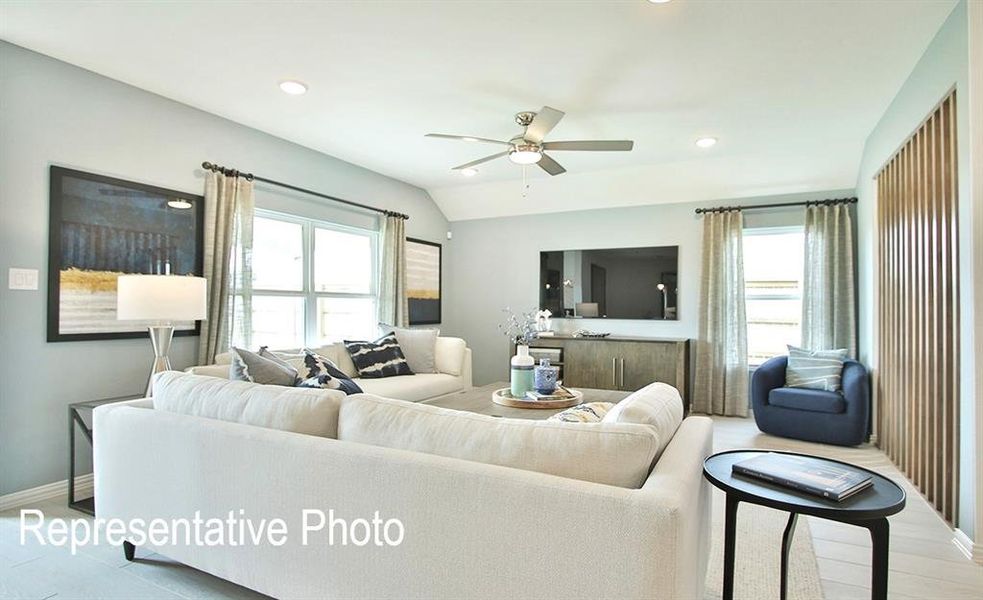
[
  {"x": 522, "y": 372},
  {"x": 545, "y": 377}
]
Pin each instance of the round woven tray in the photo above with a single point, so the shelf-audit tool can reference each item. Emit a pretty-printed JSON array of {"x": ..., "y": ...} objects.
[{"x": 504, "y": 397}]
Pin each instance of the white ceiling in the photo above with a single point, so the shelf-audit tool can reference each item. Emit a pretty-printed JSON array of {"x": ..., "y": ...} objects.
[{"x": 792, "y": 89}]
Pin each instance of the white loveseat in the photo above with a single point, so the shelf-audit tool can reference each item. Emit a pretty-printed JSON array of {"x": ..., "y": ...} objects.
[
  {"x": 472, "y": 529},
  {"x": 452, "y": 358}
]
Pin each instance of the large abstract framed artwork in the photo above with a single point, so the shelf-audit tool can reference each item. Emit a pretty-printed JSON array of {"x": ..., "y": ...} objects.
[
  {"x": 101, "y": 228},
  {"x": 423, "y": 281}
]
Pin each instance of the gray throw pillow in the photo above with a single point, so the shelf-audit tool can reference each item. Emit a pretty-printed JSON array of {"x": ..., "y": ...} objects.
[
  {"x": 815, "y": 369},
  {"x": 250, "y": 366},
  {"x": 419, "y": 347}
]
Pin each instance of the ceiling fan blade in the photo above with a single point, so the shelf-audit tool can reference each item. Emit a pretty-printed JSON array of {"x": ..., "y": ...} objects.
[
  {"x": 550, "y": 166},
  {"x": 592, "y": 145},
  {"x": 544, "y": 122},
  {"x": 467, "y": 138},
  {"x": 480, "y": 160}
]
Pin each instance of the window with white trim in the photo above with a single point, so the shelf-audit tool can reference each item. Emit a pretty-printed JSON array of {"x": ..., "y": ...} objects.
[
  {"x": 773, "y": 290},
  {"x": 313, "y": 283}
]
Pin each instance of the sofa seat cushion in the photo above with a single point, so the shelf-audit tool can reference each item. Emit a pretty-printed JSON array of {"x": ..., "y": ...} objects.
[
  {"x": 413, "y": 388},
  {"x": 806, "y": 399},
  {"x": 300, "y": 410},
  {"x": 619, "y": 454}
]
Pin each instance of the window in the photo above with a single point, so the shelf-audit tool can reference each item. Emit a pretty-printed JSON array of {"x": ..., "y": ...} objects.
[
  {"x": 773, "y": 290},
  {"x": 313, "y": 283}
]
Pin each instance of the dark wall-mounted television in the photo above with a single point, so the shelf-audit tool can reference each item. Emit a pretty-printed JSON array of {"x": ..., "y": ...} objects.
[{"x": 612, "y": 283}]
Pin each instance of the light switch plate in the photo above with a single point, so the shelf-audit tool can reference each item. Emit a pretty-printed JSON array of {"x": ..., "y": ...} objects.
[{"x": 23, "y": 279}]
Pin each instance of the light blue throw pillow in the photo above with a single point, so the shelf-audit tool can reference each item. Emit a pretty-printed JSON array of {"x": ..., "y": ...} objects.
[{"x": 815, "y": 369}]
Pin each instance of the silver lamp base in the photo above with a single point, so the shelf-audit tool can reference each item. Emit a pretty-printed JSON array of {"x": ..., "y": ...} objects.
[{"x": 160, "y": 337}]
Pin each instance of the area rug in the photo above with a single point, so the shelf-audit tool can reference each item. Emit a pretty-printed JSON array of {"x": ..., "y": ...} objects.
[{"x": 757, "y": 572}]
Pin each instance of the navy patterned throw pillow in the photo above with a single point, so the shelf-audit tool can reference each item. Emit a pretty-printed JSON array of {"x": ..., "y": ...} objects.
[
  {"x": 327, "y": 382},
  {"x": 322, "y": 373},
  {"x": 381, "y": 358}
]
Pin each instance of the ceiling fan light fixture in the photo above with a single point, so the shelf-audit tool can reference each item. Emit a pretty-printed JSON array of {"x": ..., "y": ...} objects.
[
  {"x": 706, "y": 142},
  {"x": 525, "y": 154}
]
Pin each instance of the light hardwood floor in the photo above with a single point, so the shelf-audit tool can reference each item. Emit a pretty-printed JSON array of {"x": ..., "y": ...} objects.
[{"x": 924, "y": 563}]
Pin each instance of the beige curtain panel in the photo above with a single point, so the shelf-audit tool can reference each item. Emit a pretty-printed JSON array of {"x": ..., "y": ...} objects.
[
  {"x": 393, "y": 305},
  {"x": 721, "y": 382},
  {"x": 828, "y": 296},
  {"x": 229, "y": 208}
]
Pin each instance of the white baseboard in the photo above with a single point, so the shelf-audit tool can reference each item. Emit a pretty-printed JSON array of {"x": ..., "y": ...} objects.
[
  {"x": 967, "y": 546},
  {"x": 83, "y": 488}
]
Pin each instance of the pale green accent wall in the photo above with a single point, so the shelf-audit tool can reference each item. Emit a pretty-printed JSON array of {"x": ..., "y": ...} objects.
[
  {"x": 54, "y": 113},
  {"x": 943, "y": 66}
]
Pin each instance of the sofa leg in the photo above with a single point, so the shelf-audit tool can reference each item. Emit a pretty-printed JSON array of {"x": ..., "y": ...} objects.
[{"x": 129, "y": 550}]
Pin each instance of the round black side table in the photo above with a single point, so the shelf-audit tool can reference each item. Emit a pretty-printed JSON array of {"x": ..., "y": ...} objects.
[{"x": 869, "y": 508}]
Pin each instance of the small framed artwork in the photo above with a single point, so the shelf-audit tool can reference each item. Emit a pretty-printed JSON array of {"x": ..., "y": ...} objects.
[
  {"x": 423, "y": 281},
  {"x": 100, "y": 228}
]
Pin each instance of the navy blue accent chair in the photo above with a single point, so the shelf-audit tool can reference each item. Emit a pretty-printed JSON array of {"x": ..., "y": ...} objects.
[{"x": 841, "y": 418}]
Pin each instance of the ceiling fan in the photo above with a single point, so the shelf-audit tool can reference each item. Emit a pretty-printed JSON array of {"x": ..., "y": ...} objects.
[{"x": 528, "y": 147}]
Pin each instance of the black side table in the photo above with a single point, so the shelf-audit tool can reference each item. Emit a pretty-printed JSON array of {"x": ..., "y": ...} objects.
[
  {"x": 80, "y": 416},
  {"x": 869, "y": 508}
]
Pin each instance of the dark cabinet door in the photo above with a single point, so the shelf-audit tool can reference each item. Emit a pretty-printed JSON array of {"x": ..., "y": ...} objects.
[
  {"x": 591, "y": 364},
  {"x": 643, "y": 363}
]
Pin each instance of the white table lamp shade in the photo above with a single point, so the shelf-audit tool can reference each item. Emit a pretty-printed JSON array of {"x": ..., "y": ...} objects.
[{"x": 160, "y": 298}]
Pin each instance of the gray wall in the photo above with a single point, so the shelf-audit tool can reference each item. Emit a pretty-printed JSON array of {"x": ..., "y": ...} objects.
[
  {"x": 52, "y": 113},
  {"x": 944, "y": 65},
  {"x": 494, "y": 263}
]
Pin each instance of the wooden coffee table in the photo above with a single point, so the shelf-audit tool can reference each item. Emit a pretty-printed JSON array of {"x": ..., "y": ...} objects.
[{"x": 479, "y": 400}]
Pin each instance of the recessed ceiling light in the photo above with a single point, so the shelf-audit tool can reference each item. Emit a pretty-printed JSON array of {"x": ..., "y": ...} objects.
[
  {"x": 469, "y": 172},
  {"x": 292, "y": 87},
  {"x": 706, "y": 142},
  {"x": 179, "y": 203}
]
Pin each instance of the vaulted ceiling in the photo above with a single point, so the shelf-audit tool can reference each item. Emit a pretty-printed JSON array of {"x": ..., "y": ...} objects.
[{"x": 791, "y": 89}]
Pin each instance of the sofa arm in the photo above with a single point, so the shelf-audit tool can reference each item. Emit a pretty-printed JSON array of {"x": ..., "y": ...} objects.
[
  {"x": 768, "y": 376},
  {"x": 856, "y": 391},
  {"x": 449, "y": 355},
  {"x": 216, "y": 370},
  {"x": 679, "y": 473}
]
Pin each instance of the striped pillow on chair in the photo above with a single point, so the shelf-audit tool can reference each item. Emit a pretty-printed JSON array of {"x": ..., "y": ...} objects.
[{"x": 815, "y": 369}]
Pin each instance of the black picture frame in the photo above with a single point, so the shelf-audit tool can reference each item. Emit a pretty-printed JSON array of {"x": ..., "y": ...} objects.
[
  {"x": 422, "y": 310},
  {"x": 57, "y": 200}
]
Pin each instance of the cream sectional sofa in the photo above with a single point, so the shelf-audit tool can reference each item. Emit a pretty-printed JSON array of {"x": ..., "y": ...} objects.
[
  {"x": 491, "y": 508},
  {"x": 451, "y": 356}
]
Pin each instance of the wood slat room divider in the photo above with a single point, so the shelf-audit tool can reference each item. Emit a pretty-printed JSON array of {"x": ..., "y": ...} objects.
[{"x": 917, "y": 379}]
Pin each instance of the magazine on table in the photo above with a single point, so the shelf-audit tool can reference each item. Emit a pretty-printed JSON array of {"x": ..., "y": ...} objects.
[
  {"x": 560, "y": 393},
  {"x": 803, "y": 473}
]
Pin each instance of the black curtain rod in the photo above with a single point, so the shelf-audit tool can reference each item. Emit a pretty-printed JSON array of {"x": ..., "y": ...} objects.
[
  {"x": 250, "y": 177},
  {"x": 829, "y": 202}
]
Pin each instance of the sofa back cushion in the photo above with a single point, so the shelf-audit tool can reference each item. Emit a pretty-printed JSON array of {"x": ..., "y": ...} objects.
[
  {"x": 657, "y": 405},
  {"x": 618, "y": 454},
  {"x": 300, "y": 410}
]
